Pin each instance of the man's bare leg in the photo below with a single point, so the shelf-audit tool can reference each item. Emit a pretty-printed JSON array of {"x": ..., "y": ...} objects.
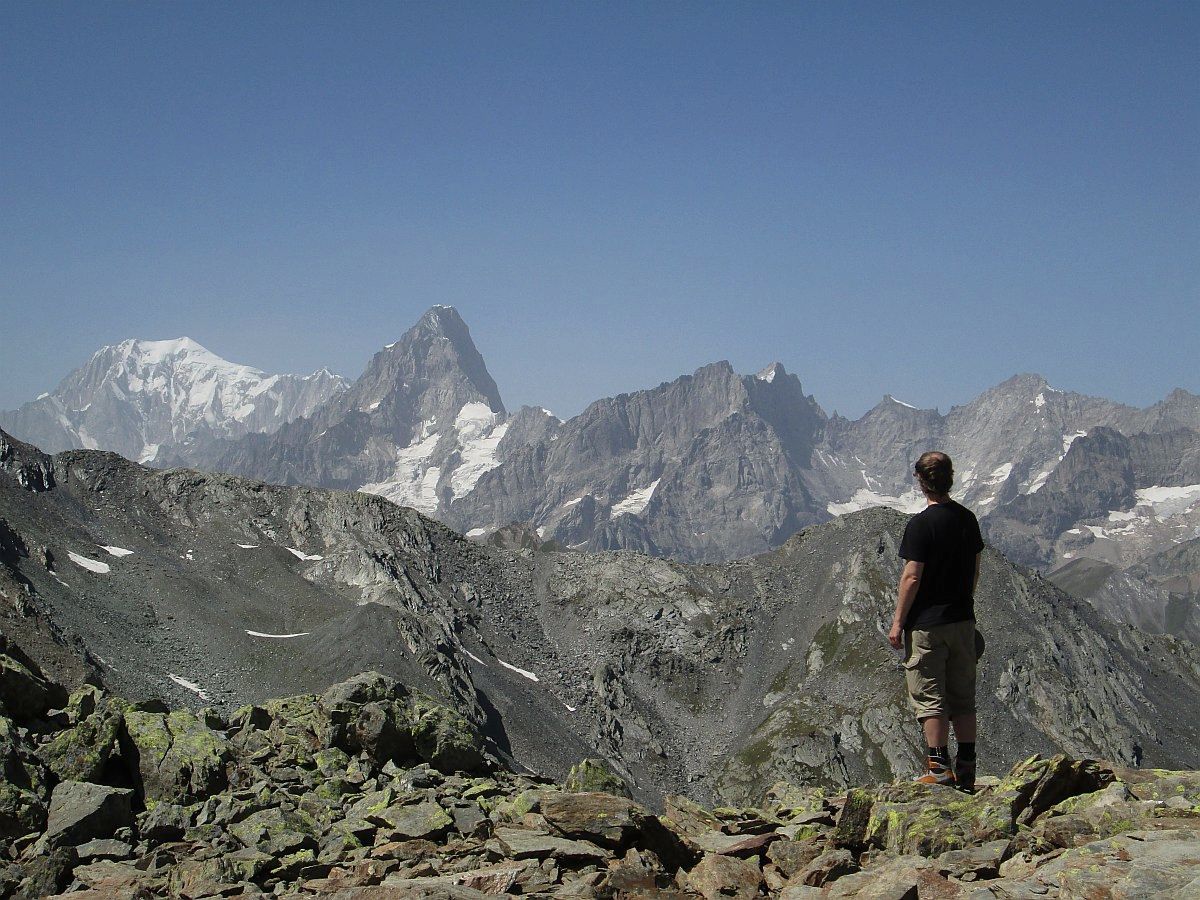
[
  {"x": 937, "y": 731},
  {"x": 964, "y": 728}
]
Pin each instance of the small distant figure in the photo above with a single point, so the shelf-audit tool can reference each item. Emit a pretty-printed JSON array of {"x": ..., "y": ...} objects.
[{"x": 935, "y": 621}]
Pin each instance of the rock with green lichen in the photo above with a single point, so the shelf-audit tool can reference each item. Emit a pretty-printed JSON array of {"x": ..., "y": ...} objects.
[
  {"x": 595, "y": 775},
  {"x": 443, "y": 737},
  {"x": 24, "y": 785},
  {"x": 927, "y": 820},
  {"x": 179, "y": 758},
  {"x": 90, "y": 750}
]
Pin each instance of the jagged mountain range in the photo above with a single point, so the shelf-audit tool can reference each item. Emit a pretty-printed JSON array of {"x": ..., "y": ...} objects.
[
  {"x": 710, "y": 467},
  {"x": 211, "y": 589},
  {"x": 134, "y": 397}
]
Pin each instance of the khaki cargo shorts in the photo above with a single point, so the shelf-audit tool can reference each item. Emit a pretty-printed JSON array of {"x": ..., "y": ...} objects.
[{"x": 939, "y": 667}]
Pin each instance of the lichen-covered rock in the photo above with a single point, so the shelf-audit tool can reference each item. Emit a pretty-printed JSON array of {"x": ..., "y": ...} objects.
[
  {"x": 600, "y": 818},
  {"x": 90, "y": 750},
  {"x": 24, "y": 784},
  {"x": 1036, "y": 784},
  {"x": 1137, "y": 864},
  {"x": 853, "y": 820},
  {"x": 425, "y": 820},
  {"x": 910, "y": 818},
  {"x": 180, "y": 759},
  {"x": 594, "y": 775},
  {"x": 445, "y": 738}
]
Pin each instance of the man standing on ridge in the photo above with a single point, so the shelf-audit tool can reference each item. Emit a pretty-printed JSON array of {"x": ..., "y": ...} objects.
[{"x": 935, "y": 621}]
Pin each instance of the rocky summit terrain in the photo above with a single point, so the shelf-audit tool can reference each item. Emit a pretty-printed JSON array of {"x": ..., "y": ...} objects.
[
  {"x": 208, "y": 590},
  {"x": 371, "y": 790}
]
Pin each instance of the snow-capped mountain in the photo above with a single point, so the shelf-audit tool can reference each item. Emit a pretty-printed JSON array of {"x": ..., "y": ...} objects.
[
  {"x": 421, "y": 424},
  {"x": 711, "y": 466},
  {"x": 137, "y": 396}
]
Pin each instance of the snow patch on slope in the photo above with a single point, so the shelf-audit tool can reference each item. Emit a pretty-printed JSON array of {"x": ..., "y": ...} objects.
[
  {"x": 524, "y": 673},
  {"x": 189, "y": 685},
  {"x": 479, "y": 436},
  {"x": 911, "y": 502},
  {"x": 92, "y": 565},
  {"x": 636, "y": 502},
  {"x": 409, "y": 485}
]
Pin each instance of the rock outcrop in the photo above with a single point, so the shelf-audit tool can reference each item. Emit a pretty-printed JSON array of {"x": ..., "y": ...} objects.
[{"x": 372, "y": 791}]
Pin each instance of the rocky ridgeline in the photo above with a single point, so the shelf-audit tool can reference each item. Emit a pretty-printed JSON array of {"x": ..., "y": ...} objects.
[{"x": 373, "y": 791}]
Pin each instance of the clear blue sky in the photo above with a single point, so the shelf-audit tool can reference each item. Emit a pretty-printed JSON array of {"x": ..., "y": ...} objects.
[{"x": 913, "y": 198}]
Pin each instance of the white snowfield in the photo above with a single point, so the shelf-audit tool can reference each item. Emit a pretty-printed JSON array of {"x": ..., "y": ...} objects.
[
  {"x": 300, "y": 554},
  {"x": 189, "y": 685},
  {"x": 116, "y": 551},
  {"x": 911, "y": 502},
  {"x": 248, "y": 546},
  {"x": 92, "y": 565},
  {"x": 479, "y": 436},
  {"x": 474, "y": 657},
  {"x": 636, "y": 502},
  {"x": 524, "y": 673},
  {"x": 1169, "y": 501},
  {"x": 262, "y": 634},
  {"x": 477, "y": 430}
]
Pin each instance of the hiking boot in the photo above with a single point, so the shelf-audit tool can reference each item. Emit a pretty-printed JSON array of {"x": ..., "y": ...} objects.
[
  {"x": 939, "y": 773},
  {"x": 964, "y": 774}
]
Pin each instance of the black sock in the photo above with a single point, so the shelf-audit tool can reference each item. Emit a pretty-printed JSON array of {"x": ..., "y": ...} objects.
[
  {"x": 940, "y": 755},
  {"x": 966, "y": 751}
]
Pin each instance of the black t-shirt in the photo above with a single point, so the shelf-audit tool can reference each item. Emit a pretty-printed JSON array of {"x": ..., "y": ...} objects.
[{"x": 946, "y": 538}]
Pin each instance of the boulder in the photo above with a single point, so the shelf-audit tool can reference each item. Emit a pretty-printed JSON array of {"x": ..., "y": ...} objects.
[
  {"x": 522, "y": 843},
  {"x": 851, "y": 828},
  {"x": 793, "y": 857},
  {"x": 80, "y": 811},
  {"x": 24, "y": 784},
  {"x": 444, "y": 738},
  {"x": 25, "y": 693},
  {"x": 601, "y": 818},
  {"x": 717, "y": 877},
  {"x": 48, "y": 873},
  {"x": 90, "y": 750},
  {"x": 1138, "y": 864},
  {"x": 594, "y": 776},
  {"x": 426, "y": 820},
  {"x": 899, "y": 878},
  {"x": 179, "y": 758},
  {"x": 829, "y": 866},
  {"x": 923, "y": 820}
]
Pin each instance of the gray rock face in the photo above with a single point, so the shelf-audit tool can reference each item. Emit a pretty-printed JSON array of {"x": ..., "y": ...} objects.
[
  {"x": 80, "y": 811},
  {"x": 716, "y": 679},
  {"x": 402, "y": 418},
  {"x": 706, "y": 467},
  {"x": 136, "y": 396}
]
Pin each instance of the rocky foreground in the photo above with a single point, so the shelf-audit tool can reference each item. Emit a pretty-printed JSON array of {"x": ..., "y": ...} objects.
[{"x": 371, "y": 790}]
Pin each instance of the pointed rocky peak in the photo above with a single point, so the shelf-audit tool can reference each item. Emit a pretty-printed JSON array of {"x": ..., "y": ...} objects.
[
  {"x": 1024, "y": 385},
  {"x": 771, "y": 372},
  {"x": 436, "y": 354}
]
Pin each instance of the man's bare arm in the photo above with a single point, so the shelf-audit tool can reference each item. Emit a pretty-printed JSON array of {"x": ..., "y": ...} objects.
[{"x": 910, "y": 582}]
